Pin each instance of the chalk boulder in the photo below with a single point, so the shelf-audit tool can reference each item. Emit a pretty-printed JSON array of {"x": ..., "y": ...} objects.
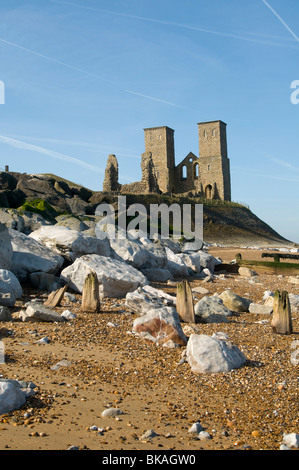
[{"x": 115, "y": 278}]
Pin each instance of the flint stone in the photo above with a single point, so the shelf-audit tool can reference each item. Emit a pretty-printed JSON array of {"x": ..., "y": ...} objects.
[
  {"x": 5, "y": 248},
  {"x": 5, "y": 314},
  {"x": 211, "y": 310},
  {"x": 30, "y": 256},
  {"x": 10, "y": 288},
  {"x": 115, "y": 278},
  {"x": 160, "y": 326},
  {"x": 234, "y": 302},
  {"x": 70, "y": 243},
  {"x": 112, "y": 412},
  {"x": 295, "y": 353},
  {"x": 209, "y": 355},
  {"x": 39, "y": 313}
]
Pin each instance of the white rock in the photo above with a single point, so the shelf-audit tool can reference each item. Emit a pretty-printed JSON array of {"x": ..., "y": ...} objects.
[
  {"x": 200, "y": 259},
  {"x": 132, "y": 252},
  {"x": 204, "y": 435},
  {"x": 146, "y": 298},
  {"x": 260, "y": 309},
  {"x": 196, "y": 428},
  {"x": 200, "y": 290},
  {"x": 30, "y": 256},
  {"x": 39, "y": 313},
  {"x": 112, "y": 412},
  {"x": 209, "y": 355},
  {"x": 291, "y": 440},
  {"x": 68, "y": 315},
  {"x": 71, "y": 243},
  {"x": 246, "y": 272},
  {"x": 176, "y": 265},
  {"x": 116, "y": 278},
  {"x": 148, "y": 435},
  {"x": 12, "y": 395}
]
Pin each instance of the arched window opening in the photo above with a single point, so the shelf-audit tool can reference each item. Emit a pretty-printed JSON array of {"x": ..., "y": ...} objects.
[{"x": 208, "y": 192}]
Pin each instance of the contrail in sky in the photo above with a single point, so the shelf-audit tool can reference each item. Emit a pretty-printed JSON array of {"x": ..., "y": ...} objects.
[
  {"x": 179, "y": 25},
  {"x": 91, "y": 74},
  {"x": 281, "y": 20},
  {"x": 49, "y": 153}
]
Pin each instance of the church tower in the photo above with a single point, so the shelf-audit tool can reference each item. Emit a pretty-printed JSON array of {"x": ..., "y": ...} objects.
[
  {"x": 159, "y": 141},
  {"x": 214, "y": 165}
]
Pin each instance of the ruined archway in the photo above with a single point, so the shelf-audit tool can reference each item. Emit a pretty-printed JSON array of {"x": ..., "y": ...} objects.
[{"x": 209, "y": 192}]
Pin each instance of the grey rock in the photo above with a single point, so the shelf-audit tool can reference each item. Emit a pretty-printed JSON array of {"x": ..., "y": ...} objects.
[
  {"x": 234, "y": 302},
  {"x": 260, "y": 309},
  {"x": 5, "y": 248},
  {"x": 10, "y": 288},
  {"x": 211, "y": 310}
]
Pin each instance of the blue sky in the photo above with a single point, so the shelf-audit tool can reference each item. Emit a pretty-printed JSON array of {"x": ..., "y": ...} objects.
[{"x": 84, "y": 78}]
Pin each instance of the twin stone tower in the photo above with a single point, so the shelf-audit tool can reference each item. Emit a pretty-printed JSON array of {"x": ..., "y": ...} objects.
[{"x": 207, "y": 176}]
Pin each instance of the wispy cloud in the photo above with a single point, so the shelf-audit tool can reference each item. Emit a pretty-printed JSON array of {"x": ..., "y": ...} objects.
[
  {"x": 284, "y": 163},
  {"x": 281, "y": 20},
  {"x": 49, "y": 153},
  {"x": 155, "y": 99},
  {"x": 86, "y": 72},
  {"x": 179, "y": 25}
]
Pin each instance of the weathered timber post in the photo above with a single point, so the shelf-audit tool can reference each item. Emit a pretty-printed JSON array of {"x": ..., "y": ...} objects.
[
  {"x": 282, "y": 319},
  {"x": 90, "y": 295},
  {"x": 184, "y": 303},
  {"x": 55, "y": 297}
]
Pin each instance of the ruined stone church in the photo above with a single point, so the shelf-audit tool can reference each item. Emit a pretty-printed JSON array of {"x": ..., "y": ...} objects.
[{"x": 207, "y": 176}]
